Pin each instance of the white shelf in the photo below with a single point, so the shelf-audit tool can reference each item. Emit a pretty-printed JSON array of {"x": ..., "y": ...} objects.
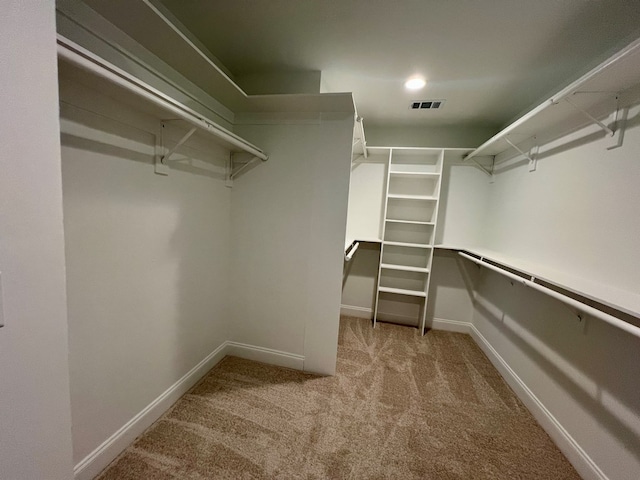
[
  {"x": 415, "y": 174},
  {"x": 555, "y": 116},
  {"x": 412, "y": 197},
  {"x": 622, "y": 300},
  {"x": 408, "y": 230},
  {"x": 403, "y": 244},
  {"x": 410, "y": 222},
  {"x": 400, "y": 291},
  {"x": 97, "y": 73},
  {"x": 404, "y": 268}
]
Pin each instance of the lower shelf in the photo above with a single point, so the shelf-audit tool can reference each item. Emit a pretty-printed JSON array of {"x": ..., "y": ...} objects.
[{"x": 401, "y": 291}]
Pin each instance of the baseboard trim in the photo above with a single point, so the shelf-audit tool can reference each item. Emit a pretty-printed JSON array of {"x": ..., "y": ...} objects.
[
  {"x": 451, "y": 325},
  {"x": 358, "y": 312},
  {"x": 97, "y": 460},
  {"x": 265, "y": 355},
  {"x": 581, "y": 461}
]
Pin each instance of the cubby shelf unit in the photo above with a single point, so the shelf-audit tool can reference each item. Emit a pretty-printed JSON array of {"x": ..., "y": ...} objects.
[{"x": 408, "y": 229}]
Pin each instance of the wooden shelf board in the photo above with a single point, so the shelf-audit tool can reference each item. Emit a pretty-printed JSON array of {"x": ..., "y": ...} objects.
[
  {"x": 415, "y": 174},
  {"x": 410, "y": 222},
  {"x": 401, "y": 291},
  {"x": 623, "y": 300},
  {"x": 404, "y": 268},
  {"x": 412, "y": 245},
  {"x": 412, "y": 197}
]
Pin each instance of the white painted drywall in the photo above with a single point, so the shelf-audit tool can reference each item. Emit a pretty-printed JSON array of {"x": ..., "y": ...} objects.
[
  {"x": 366, "y": 198},
  {"x": 359, "y": 281},
  {"x": 450, "y": 290},
  {"x": 147, "y": 261},
  {"x": 464, "y": 198},
  {"x": 289, "y": 220},
  {"x": 578, "y": 213},
  {"x": 35, "y": 423},
  {"x": 412, "y": 136}
]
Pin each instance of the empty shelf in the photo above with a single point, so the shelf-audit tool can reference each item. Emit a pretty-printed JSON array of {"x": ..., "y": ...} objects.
[
  {"x": 412, "y": 245},
  {"x": 415, "y": 174},
  {"x": 404, "y": 268},
  {"x": 412, "y": 197},
  {"x": 411, "y": 222},
  {"x": 401, "y": 291}
]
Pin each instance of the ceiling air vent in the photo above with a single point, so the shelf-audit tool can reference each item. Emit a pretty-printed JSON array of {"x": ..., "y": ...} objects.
[{"x": 426, "y": 104}]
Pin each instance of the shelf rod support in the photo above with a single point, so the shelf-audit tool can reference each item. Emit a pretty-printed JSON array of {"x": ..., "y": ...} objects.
[
  {"x": 244, "y": 163},
  {"x": 482, "y": 167},
  {"x": 187, "y": 136},
  {"x": 359, "y": 120},
  {"x": 524, "y": 154},
  {"x": 606, "y": 129}
]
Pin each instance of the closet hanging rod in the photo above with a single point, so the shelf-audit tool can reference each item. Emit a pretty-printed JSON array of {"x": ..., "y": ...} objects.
[
  {"x": 86, "y": 60},
  {"x": 351, "y": 251},
  {"x": 582, "y": 307}
]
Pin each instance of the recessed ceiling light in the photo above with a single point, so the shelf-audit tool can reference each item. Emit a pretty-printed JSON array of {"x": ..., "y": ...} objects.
[{"x": 415, "y": 83}]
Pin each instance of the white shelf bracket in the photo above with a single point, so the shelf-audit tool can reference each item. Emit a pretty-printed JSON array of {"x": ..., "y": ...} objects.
[
  {"x": 531, "y": 157},
  {"x": 239, "y": 162},
  {"x": 359, "y": 121},
  {"x": 166, "y": 158},
  {"x": 605, "y": 128},
  {"x": 483, "y": 168}
]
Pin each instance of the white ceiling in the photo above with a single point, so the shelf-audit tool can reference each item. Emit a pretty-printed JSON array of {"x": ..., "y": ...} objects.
[{"x": 490, "y": 59}]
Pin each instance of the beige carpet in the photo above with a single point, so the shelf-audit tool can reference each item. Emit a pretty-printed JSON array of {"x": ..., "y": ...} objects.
[{"x": 401, "y": 406}]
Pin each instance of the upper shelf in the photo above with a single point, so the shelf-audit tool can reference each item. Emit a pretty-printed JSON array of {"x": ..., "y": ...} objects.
[
  {"x": 625, "y": 301},
  {"x": 107, "y": 78},
  {"x": 594, "y": 93}
]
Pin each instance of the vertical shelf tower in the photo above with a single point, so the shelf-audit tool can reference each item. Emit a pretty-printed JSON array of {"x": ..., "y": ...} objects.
[{"x": 408, "y": 231}]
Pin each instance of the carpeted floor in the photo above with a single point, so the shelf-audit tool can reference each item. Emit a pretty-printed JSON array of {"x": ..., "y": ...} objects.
[{"x": 401, "y": 406}]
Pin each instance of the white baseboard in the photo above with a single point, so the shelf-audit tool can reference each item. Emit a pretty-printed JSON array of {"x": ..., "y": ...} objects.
[
  {"x": 265, "y": 355},
  {"x": 97, "y": 460},
  {"x": 451, "y": 325},
  {"x": 581, "y": 461},
  {"x": 353, "y": 311}
]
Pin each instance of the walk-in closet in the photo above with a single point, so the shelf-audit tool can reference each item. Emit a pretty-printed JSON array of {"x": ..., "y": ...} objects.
[{"x": 320, "y": 239}]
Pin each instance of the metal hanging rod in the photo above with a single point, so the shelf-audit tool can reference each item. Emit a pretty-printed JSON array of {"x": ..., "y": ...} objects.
[
  {"x": 351, "y": 251},
  {"x": 582, "y": 307}
]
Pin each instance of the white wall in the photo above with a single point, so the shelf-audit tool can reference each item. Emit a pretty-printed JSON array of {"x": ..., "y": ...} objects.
[
  {"x": 577, "y": 213},
  {"x": 463, "y": 205},
  {"x": 359, "y": 281},
  {"x": 147, "y": 261},
  {"x": 423, "y": 136},
  {"x": 366, "y": 198},
  {"x": 289, "y": 218},
  {"x": 35, "y": 424}
]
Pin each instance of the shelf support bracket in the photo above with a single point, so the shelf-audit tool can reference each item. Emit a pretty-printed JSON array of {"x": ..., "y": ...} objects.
[
  {"x": 606, "y": 129},
  {"x": 482, "y": 167},
  {"x": 167, "y": 157},
  {"x": 532, "y": 158},
  {"x": 243, "y": 159}
]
